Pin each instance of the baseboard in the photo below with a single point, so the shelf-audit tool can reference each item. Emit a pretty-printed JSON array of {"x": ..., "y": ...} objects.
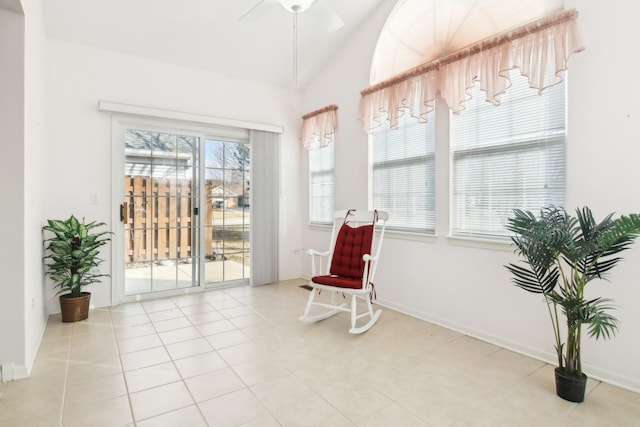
[
  {"x": 547, "y": 357},
  {"x": 10, "y": 372}
]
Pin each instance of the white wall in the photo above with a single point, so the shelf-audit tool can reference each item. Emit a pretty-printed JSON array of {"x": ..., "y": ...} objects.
[
  {"x": 467, "y": 287},
  {"x": 35, "y": 137},
  {"x": 12, "y": 328},
  {"x": 79, "y": 136},
  {"x": 22, "y": 314}
]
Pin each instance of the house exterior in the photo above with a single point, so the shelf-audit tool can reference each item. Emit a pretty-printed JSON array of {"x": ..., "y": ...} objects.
[{"x": 224, "y": 197}]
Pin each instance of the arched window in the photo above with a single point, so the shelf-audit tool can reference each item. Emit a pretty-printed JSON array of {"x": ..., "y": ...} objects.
[
  {"x": 468, "y": 52},
  {"x": 418, "y": 31}
]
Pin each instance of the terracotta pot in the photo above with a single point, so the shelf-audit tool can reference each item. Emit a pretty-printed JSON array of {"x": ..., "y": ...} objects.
[
  {"x": 75, "y": 309},
  {"x": 570, "y": 388}
]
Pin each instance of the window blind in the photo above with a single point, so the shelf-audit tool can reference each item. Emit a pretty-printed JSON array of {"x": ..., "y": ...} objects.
[
  {"x": 403, "y": 174},
  {"x": 265, "y": 212},
  {"x": 506, "y": 157},
  {"x": 321, "y": 188}
]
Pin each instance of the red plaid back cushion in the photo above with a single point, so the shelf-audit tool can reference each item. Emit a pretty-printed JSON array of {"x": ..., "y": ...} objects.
[{"x": 351, "y": 244}]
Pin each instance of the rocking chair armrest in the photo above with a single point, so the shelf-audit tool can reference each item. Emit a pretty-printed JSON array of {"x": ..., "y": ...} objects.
[
  {"x": 314, "y": 252},
  {"x": 319, "y": 261}
]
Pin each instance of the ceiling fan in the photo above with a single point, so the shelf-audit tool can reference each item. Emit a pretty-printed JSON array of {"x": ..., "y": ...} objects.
[{"x": 321, "y": 11}]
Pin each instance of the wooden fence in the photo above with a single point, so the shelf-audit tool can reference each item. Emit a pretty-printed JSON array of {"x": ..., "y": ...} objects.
[{"x": 158, "y": 219}]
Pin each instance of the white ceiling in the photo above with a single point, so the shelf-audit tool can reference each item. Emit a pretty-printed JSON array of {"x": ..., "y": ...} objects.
[
  {"x": 11, "y": 6},
  {"x": 208, "y": 35}
]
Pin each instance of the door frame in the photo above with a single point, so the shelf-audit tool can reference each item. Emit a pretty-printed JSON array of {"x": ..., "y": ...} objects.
[{"x": 203, "y": 131}]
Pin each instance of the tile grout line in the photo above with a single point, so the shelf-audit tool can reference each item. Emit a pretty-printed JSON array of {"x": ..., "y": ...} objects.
[
  {"x": 229, "y": 366},
  {"x": 246, "y": 386},
  {"x": 290, "y": 371},
  {"x": 178, "y": 370},
  {"x": 124, "y": 378},
  {"x": 164, "y": 346},
  {"x": 182, "y": 379},
  {"x": 66, "y": 375}
]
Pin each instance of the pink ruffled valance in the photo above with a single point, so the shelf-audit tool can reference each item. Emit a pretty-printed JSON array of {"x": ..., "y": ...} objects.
[
  {"x": 319, "y": 127},
  {"x": 540, "y": 51}
]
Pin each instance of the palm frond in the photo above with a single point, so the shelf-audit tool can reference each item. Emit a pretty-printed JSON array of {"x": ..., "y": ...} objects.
[
  {"x": 601, "y": 323},
  {"x": 608, "y": 238},
  {"x": 535, "y": 280},
  {"x": 621, "y": 233}
]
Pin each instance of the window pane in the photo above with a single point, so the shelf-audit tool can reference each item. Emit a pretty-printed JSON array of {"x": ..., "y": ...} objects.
[
  {"x": 321, "y": 187},
  {"x": 507, "y": 157},
  {"x": 403, "y": 174},
  {"x": 226, "y": 213}
]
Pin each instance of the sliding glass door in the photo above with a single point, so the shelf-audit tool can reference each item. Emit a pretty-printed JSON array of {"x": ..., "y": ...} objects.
[{"x": 186, "y": 210}]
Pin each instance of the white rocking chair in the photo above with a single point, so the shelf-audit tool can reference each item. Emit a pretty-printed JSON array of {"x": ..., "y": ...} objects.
[{"x": 348, "y": 268}]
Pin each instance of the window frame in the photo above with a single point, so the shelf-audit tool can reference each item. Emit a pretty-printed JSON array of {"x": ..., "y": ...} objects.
[
  {"x": 318, "y": 173},
  {"x": 444, "y": 174},
  {"x": 549, "y": 139},
  {"x": 426, "y": 159}
]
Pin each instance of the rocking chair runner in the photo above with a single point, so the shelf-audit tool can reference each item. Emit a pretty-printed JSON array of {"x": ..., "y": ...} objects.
[{"x": 348, "y": 267}]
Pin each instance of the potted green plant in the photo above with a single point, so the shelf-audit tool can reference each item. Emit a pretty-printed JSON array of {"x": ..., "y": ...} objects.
[
  {"x": 561, "y": 254},
  {"x": 72, "y": 261}
]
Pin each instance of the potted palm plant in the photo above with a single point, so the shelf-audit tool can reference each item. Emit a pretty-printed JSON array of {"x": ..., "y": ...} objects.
[
  {"x": 561, "y": 254},
  {"x": 72, "y": 262}
]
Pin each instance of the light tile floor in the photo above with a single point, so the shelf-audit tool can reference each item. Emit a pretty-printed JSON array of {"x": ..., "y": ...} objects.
[{"x": 240, "y": 357}]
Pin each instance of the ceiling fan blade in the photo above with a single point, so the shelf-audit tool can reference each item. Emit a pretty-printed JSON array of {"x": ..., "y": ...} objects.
[
  {"x": 326, "y": 16},
  {"x": 258, "y": 10}
]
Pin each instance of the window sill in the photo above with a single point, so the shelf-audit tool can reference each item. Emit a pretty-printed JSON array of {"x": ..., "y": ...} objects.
[
  {"x": 390, "y": 234},
  {"x": 479, "y": 243},
  {"x": 320, "y": 227},
  {"x": 406, "y": 235}
]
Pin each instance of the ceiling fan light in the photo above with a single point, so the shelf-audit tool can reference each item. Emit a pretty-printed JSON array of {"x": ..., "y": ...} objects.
[{"x": 296, "y": 5}]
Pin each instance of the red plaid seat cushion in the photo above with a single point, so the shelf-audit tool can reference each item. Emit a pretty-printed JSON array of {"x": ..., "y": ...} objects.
[{"x": 337, "y": 281}]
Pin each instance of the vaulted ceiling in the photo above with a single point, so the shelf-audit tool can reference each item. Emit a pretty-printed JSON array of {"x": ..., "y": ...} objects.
[{"x": 210, "y": 34}]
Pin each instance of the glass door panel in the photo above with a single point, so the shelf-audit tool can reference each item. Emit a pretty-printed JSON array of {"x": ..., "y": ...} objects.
[
  {"x": 160, "y": 225},
  {"x": 226, "y": 211}
]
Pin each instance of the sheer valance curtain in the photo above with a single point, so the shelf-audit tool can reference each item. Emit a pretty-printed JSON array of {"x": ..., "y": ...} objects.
[
  {"x": 319, "y": 127},
  {"x": 540, "y": 50}
]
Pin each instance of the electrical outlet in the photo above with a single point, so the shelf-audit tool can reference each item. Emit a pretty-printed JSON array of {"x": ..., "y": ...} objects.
[{"x": 33, "y": 302}]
